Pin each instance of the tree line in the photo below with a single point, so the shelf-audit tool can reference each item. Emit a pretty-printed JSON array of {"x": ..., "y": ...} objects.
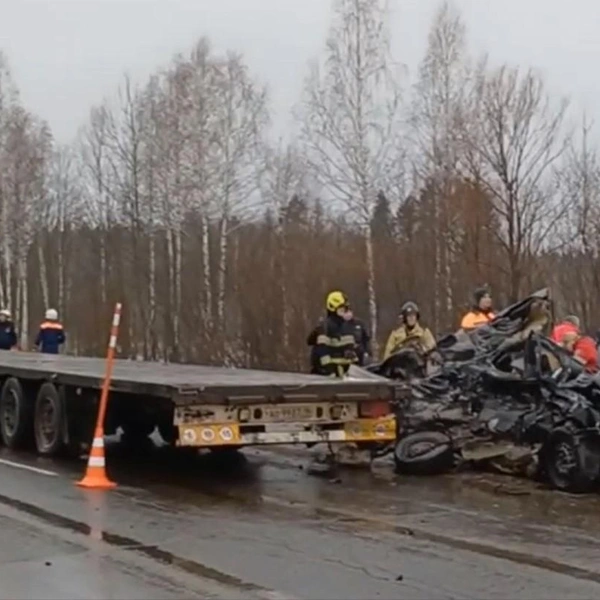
[{"x": 222, "y": 245}]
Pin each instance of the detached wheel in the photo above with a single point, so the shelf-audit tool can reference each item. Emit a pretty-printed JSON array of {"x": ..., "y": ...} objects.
[
  {"x": 571, "y": 460},
  {"x": 48, "y": 421},
  {"x": 424, "y": 453},
  {"x": 16, "y": 415}
]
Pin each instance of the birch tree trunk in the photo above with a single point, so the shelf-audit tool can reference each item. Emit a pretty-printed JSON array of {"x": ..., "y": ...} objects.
[
  {"x": 371, "y": 295},
  {"x": 103, "y": 268},
  {"x": 171, "y": 292},
  {"x": 151, "y": 327},
  {"x": 62, "y": 295},
  {"x": 206, "y": 275},
  {"x": 222, "y": 276},
  {"x": 23, "y": 293},
  {"x": 44, "y": 274},
  {"x": 177, "y": 311},
  {"x": 7, "y": 256}
]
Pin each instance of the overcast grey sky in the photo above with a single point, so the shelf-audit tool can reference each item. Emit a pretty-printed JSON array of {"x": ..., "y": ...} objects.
[{"x": 67, "y": 55}]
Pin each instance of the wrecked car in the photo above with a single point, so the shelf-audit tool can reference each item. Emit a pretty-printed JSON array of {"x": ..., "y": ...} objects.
[{"x": 503, "y": 397}]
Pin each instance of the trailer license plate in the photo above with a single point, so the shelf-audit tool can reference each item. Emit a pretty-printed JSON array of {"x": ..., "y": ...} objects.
[{"x": 290, "y": 413}]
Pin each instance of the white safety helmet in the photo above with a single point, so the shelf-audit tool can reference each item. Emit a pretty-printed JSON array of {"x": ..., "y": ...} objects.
[
  {"x": 52, "y": 314},
  {"x": 5, "y": 313}
]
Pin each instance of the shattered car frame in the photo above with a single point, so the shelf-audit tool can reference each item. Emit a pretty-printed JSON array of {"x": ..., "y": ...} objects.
[{"x": 504, "y": 397}]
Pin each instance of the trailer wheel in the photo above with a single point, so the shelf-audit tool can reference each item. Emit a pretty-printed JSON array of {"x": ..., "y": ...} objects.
[
  {"x": 48, "y": 421},
  {"x": 16, "y": 414}
]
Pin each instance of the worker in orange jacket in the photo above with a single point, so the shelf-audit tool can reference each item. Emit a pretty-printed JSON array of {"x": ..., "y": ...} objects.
[
  {"x": 569, "y": 324},
  {"x": 583, "y": 349},
  {"x": 481, "y": 313}
]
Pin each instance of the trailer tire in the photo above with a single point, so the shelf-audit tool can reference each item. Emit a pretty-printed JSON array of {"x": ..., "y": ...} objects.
[
  {"x": 48, "y": 421},
  {"x": 16, "y": 415}
]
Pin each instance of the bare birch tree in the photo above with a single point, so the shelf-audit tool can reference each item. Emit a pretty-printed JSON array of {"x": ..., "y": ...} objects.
[
  {"x": 239, "y": 130},
  {"x": 283, "y": 180},
  {"x": 96, "y": 177},
  {"x": 126, "y": 141},
  {"x": 28, "y": 147},
  {"x": 514, "y": 138},
  {"x": 439, "y": 99},
  {"x": 8, "y": 103},
  {"x": 351, "y": 117},
  {"x": 579, "y": 182}
]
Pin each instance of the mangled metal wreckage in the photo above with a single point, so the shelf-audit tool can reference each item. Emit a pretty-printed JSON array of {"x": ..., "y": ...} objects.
[{"x": 503, "y": 396}]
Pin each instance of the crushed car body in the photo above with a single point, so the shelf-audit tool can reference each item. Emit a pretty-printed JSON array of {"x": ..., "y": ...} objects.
[{"x": 503, "y": 396}]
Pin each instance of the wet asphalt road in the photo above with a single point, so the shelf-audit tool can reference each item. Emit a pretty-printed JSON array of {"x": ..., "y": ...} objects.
[{"x": 179, "y": 526}]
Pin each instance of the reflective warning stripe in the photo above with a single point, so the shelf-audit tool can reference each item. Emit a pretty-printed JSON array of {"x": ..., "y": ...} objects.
[
  {"x": 330, "y": 360},
  {"x": 112, "y": 344},
  {"x": 98, "y": 443},
  {"x": 336, "y": 342},
  {"x": 96, "y": 461},
  {"x": 117, "y": 316}
]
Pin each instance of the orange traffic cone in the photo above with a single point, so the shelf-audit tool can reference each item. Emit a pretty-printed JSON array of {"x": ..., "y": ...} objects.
[{"x": 95, "y": 475}]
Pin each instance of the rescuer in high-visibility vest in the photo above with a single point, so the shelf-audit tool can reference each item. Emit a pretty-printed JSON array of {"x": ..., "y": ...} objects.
[
  {"x": 481, "y": 313},
  {"x": 333, "y": 340},
  {"x": 51, "y": 335}
]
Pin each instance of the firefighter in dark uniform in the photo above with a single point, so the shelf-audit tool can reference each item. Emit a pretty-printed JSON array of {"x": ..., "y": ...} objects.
[{"x": 333, "y": 340}]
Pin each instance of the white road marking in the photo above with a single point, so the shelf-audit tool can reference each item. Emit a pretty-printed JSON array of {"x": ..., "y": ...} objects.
[{"x": 18, "y": 465}]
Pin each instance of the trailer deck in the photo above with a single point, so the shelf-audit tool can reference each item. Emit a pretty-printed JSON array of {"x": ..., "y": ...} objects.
[{"x": 189, "y": 384}]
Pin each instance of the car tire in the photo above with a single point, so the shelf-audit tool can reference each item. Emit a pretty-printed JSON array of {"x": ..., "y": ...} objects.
[
  {"x": 571, "y": 460},
  {"x": 424, "y": 453}
]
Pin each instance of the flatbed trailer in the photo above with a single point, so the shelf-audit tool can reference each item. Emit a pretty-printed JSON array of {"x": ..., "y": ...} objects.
[{"x": 52, "y": 401}]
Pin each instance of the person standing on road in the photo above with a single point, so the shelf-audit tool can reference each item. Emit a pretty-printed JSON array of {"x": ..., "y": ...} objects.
[
  {"x": 8, "y": 335},
  {"x": 333, "y": 341},
  {"x": 410, "y": 331},
  {"x": 481, "y": 313},
  {"x": 51, "y": 335}
]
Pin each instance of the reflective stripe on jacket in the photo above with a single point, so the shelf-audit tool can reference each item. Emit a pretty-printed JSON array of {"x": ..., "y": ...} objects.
[{"x": 50, "y": 337}]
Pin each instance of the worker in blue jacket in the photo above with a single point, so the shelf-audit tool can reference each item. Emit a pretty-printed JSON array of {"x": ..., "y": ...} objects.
[
  {"x": 8, "y": 335},
  {"x": 51, "y": 335}
]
